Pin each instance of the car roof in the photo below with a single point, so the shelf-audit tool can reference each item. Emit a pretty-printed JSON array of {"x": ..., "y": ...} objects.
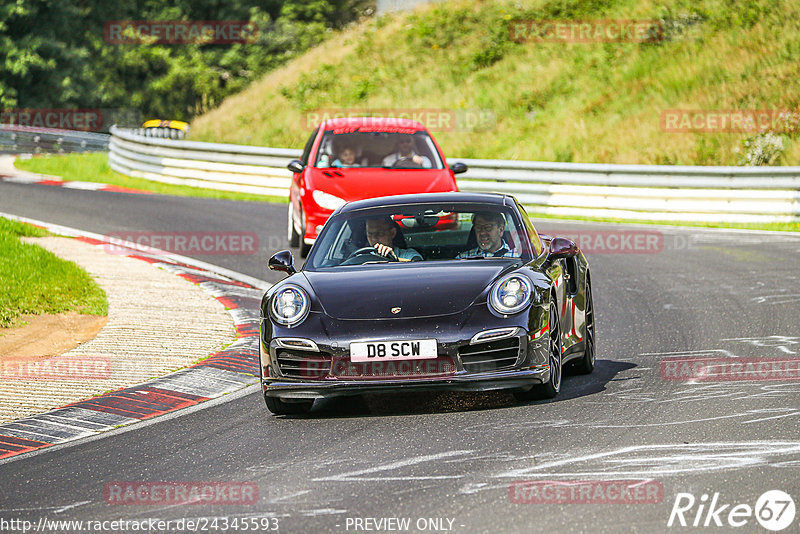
[
  {"x": 377, "y": 123},
  {"x": 422, "y": 198}
]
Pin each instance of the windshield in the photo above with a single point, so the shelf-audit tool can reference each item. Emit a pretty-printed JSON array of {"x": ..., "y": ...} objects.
[
  {"x": 378, "y": 149},
  {"x": 421, "y": 233}
]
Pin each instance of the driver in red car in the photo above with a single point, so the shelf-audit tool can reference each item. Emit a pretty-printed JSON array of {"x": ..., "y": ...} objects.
[
  {"x": 405, "y": 152},
  {"x": 380, "y": 234}
]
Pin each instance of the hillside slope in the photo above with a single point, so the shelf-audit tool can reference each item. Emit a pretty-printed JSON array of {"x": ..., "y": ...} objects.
[{"x": 603, "y": 102}]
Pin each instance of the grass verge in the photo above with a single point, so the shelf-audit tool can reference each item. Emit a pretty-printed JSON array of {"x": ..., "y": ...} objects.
[
  {"x": 93, "y": 167},
  {"x": 35, "y": 281},
  {"x": 526, "y": 99}
]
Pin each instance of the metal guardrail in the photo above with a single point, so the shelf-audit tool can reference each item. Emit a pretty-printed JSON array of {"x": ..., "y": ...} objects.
[
  {"x": 28, "y": 140},
  {"x": 645, "y": 192},
  {"x": 245, "y": 169}
]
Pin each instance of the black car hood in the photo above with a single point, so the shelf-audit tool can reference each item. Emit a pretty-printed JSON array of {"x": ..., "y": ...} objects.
[{"x": 422, "y": 290}]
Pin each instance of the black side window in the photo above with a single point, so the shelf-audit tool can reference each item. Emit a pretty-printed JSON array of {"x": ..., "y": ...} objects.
[{"x": 307, "y": 149}]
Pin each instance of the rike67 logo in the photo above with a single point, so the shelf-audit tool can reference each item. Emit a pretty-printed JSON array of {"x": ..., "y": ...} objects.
[{"x": 774, "y": 510}]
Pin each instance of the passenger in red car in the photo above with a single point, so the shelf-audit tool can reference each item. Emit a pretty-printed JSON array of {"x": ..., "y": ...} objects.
[{"x": 347, "y": 158}]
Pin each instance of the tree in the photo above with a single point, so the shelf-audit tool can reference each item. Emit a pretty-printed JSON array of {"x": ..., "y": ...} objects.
[{"x": 55, "y": 56}]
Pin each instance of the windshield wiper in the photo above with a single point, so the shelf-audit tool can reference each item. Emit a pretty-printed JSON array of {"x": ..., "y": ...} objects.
[{"x": 473, "y": 258}]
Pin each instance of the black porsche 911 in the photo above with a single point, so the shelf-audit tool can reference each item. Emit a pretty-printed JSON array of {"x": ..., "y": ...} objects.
[{"x": 438, "y": 291}]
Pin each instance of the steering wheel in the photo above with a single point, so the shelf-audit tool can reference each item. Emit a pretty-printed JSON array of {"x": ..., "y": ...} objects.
[
  {"x": 363, "y": 255},
  {"x": 365, "y": 250},
  {"x": 406, "y": 163}
]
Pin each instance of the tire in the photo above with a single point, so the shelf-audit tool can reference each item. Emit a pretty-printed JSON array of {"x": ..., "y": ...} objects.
[
  {"x": 292, "y": 235},
  {"x": 304, "y": 248},
  {"x": 585, "y": 365},
  {"x": 279, "y": 407},
  {"x": 551, "y": 388}
]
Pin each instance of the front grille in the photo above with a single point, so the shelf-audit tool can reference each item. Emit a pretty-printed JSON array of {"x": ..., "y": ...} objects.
[
  {"x": 303, "y": 364},
  {"x": 490, "y": 356},
  {"x": 390, "y": 369}
]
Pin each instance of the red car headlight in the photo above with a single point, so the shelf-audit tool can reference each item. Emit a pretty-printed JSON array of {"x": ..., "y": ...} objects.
[{"x": 326, "y": 200}]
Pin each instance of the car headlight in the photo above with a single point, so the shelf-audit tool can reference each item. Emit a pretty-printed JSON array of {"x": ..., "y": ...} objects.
[
  {"x": 511, "y": 294},
  {"x": 326, "y": 200},
  {"x": 289, "y": 306}
]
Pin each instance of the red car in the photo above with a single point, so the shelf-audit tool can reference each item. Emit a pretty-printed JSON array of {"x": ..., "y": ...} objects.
[{"x": 355, "y": 158}]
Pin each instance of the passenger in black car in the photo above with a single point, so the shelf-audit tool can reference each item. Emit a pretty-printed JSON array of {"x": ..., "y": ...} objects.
[{"x": 489, "y": 227}]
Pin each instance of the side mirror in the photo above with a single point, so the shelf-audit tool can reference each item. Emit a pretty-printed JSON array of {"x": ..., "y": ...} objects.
[
  {"x": 282, "y": 261},
  {"x": 458, "y": 167},
  {"x": 296, "y": 166},
  {"x": 561, "y": 247}
]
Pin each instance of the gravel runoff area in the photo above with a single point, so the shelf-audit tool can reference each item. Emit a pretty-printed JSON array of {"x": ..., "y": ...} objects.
[{"x": 157, "y": 322}]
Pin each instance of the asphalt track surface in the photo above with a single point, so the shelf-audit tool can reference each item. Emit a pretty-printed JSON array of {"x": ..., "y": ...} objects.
[{"x": 446, "y": 462}]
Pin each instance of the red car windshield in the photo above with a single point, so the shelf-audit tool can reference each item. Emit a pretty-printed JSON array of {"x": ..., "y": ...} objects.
[{"x": 378, "y": 149}]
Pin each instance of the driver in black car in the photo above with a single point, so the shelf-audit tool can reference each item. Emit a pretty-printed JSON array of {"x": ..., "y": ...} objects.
[
  {"x": 405, "y": 153},
  {"x": 381, "y": 233}
]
